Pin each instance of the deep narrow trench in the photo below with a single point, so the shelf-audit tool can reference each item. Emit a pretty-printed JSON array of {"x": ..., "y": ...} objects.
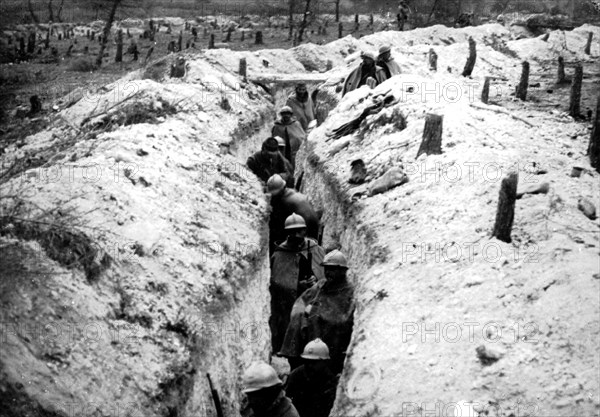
[{"x": 337, "y": 213}]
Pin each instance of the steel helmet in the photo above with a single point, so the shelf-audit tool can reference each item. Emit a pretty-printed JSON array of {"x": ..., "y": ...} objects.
[
  {"x": 316, "y": 350},
  {"x": 384, "y": 49},
  {"x": 335, "y": 258},
  {"x": 294, "y": 221},
  {"x": 286, "y": 109},
  {"x": 275, "y": 184},
  {"x": 368, "y": 54},
  {"x": 258, "y": 376},
  {"x": 280, "y": 140}
]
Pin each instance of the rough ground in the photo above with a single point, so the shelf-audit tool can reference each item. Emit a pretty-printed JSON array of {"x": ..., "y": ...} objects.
[
  {"x": 133, "y": 259},
  {"x": 450, "y": 319}
]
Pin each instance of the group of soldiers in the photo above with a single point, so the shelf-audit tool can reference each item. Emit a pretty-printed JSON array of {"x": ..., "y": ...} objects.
[{"x": 312, "y": 302}]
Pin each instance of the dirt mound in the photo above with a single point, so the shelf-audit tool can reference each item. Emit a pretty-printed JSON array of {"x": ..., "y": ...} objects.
[
  {"x": 451, "y": 318},
  {"x": 133, "y": 252}
]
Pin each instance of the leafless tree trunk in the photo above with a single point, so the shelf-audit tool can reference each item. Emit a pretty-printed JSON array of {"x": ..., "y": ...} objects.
[
  {"x": 337, "y": 10},
  {"x": 60, "y": 8},
  {"x": 33, "y": 15},
  {"x": 50, "y": 11},
  {"x": 291, "y": 20},
  {"x": 435, "y": 3},
  {"x": 304, "y": 23},
  {"x": 106, "y": 33}
]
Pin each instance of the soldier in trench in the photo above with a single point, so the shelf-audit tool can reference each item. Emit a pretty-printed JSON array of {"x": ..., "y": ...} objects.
[
  {"x": 367, "y": 73},
  {"x": 386, "y": 61},
  {"x": 311, "y": 386},
  {"x": 291, "y": 131},
  {"x": 295, "y": 266},
  {"x": 302, "y": 105},
  {"x": 323, "y": 311},
  {"x": 266, "y": 397},
  {"x": 284, "y": 202},
  {"x": 269, "y": 161}
]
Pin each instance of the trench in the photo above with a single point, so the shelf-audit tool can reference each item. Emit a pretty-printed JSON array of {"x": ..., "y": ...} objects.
[{"x": 338, "y": 215}]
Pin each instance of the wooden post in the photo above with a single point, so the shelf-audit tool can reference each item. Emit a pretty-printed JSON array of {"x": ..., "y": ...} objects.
[
  {"x": 242, "y": 69},
  {"x": 561, "y": 78},
  {"x": 472, "y": 58},
  {"x": 575, "y": 97},
  {"x": 505, "y": 212},
  {"x": 432, "y": 135},
  {"x": 521, "y": 92},
  {"x": 148, "y": 55},
  {"x": 211, "y": 41},
  {"x": 594, "y": 146},
  {"x": 259, "y": 38},
  {"x": 340, "y": 30},
  {"x": 485, "y": 92},
  {"x": 432, "y": 60},
  {"x": 119, "y": 55},
  {"x": 588, "y": 45}
]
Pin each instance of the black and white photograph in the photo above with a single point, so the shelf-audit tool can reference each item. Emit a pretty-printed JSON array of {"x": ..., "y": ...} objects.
[{"x": 299, "y": 208}]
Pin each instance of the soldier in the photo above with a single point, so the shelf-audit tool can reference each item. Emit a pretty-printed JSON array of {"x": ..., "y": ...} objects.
[
  {"x": 265, "y": 392},
  {"x": 387, "y": 62},
  {"x": 324, "y": 311},
  {"x": 366, "y": 73},
  {"x": 311, "y": 386},
  {"x": 302, "y": 105},
  {"x": 268, "y": 161},
  {"x": 291, "y": 131},
  {"x": 284, "y": 202},
  {"x": 295, "y": 266}
]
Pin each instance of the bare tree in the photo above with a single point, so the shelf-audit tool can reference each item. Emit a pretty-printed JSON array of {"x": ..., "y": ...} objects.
[
  {"x": 32, "y": 13},
  {"x": 337, "y": 10},
  {"x": 305, "y": 21},
  {"x": 106, "y": 33}
]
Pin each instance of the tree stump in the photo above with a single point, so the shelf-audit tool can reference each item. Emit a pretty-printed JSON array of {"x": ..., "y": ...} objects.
[
  {"x": 119, "y": 54},
  {"x": 178, "y": 68},
  {"x": 68, "y": 54},
  {"x": 148, "y": 55},
  {"x": 485, "y": 92},
  {"x": 329, "y": 65},
  {"x": 432, "y": 60},
  {"x": 195, "y": 33},
  {"x": 31, "y": 43},
  {"x": 472, "y": 58},
  {"x": 340, "y": 30},
  {"x": 92, "y": 35},
  {"x": 86, "y": 50},
  {"x": 432, "y": 135},
  {"x": 594, "y": 146},
  {"x": 229, "y": 32},
  {"x": 242, "y": 68},
  {"x": 259, "y": 38},
  {"x": 588, "y": 45},
  {"x": 36, "y": 105},
  {"x": 505, "y": 212},
  {"x": 171, "y": 47},
  {"x": 211, "y": 41},
  {"x": 180, "y": 41},
  {"x": 561, "y": 78},
  {"x": 136, "y": 53},
  {"x": 47, "y": 40},
  {"x": 545, "y": 37},
  {"x": 521, "y": 91},
  {"x": 129, "y": 34},
  {"x": 204, "y": 32},
  {"x": 187, "y": 44},
  {"x": 243, "y": 36},
  {"x": 575, "y": 97},
  {"x": 22, "y": 46}
]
